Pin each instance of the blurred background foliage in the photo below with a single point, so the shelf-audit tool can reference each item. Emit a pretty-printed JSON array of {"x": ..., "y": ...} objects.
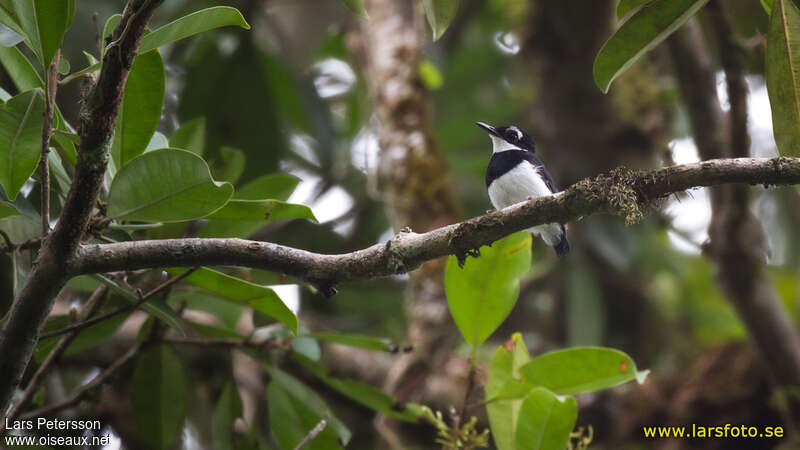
[{"x": 291, "y": 96}]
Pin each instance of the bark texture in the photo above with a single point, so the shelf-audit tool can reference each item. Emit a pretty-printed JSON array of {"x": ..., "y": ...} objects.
[{"x": 415, "y": 179}]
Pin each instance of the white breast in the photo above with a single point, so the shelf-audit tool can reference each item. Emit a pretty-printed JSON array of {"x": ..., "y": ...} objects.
[{"x": 517, "y": 185}]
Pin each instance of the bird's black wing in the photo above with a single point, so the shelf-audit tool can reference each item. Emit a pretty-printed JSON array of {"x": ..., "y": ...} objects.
[{"x": 539, "y": 165}]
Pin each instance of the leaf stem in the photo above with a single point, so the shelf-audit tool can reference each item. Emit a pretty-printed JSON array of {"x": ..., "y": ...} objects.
[{"x": 47, "y": 131}]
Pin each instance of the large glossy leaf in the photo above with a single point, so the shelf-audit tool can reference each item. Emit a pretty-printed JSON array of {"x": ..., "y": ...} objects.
[
  {"x": 260, "y": 298},
  {"x": 783, "y": 75},
  {"x": 159, "y": 396},
  {"x": 581, "y": 369},
  {"x": 545, "y": 421},
  {"x": 167, "y": 185},
  {"x": 191, "y": 24},
  {"x": 44, "y": 23},
  {"x": 303, "y": 394},
  {"x": 20, "y": 139},
  {"x": 483, "y": 292},
  {"x": 439, "y": 14},
  {"x": 639, "y": 34},
  {"x": 503, "y": 369},
  {"x": 190, "y": 136},
  {"x": 229, "y": 407},
  {"x": 140, "y": 110}
]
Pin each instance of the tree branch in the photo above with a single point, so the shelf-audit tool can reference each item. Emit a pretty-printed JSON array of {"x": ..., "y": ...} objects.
[
  {"x": 91, "y": 306},
  {"x": 619, "y": 192},
  {"x": 737, "y": 242},
  {"x": 104, "y": 376},
  {"x": 97, "y": 119}
]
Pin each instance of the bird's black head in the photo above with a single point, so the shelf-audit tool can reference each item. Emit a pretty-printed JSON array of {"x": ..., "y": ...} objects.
[{"x": 510, "y": 134}]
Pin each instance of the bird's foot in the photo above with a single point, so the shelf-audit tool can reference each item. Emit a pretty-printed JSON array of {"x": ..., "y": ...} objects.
[{"x": 489, "y": 211}]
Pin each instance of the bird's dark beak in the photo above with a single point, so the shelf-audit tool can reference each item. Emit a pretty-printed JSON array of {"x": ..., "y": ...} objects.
[{"x": 488, "y": 128}]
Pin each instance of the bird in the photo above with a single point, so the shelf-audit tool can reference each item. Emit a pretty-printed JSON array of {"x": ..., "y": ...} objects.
[{"x": 516, "y": 174}]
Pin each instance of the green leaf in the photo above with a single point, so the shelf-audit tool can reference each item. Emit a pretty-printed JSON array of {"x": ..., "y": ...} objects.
[
  {"x": 545, "y": 421},
  {"x": 260, "y": 298},
  {"x": 44, "y": 23},
  {"x": 229, "y": 407},
  {"x": 504, "y": 368},
  {"x": 167, "y": 185},
  {"x": 439, "y": 14},
  {"x": 363, "y": 393},
  {"x": 782, "y": 71},
  {"x": 262, "y": 210},
  {"x": 190, "y": 136},
  {"x": 767, "y": 5},
  {"x": 191, "y": 24},
  {"x": 430, "y": 75},
  {"x": 305, "y": 396},
  {"x": 356, "y": 340},
  {"x": 357, "y": 6},
  {"x": 277, "y": 186},
  {"x": 19, "y": 69},
  {"x": 626, "y": 6},
  {"x": 155, "y": 307},
  {"x": 231, "y": 165},
  {"x": 581, "y": 369},
  {"x": 140, "y": 110},
  {"x": 157, "y": 142},
  {"x": 241, "y": 218},
  {"x": 159, "y": 396},
  {"x": 483, "y": 292},
  {"x": 9, "y": 16},
  {"x": 20, "y": 139},
  {"x": 291, "y": 420},
  {"x": 638, "y": 35},
  {"x": 7, "y": 209}
]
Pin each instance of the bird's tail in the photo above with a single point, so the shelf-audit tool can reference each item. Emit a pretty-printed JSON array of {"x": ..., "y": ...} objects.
[
  {"x": 562, "y": 247},
  {"x": 555, "y": 235}
]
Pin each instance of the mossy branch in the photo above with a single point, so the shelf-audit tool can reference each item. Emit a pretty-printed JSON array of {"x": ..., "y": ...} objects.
[{"x": 621, "y": 192}]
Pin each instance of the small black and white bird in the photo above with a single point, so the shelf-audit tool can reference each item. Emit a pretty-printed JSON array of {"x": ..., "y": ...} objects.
[{"x": 516, "y": 174}]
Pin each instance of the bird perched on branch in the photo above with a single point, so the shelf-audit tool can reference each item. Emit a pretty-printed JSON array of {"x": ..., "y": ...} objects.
[{"x": 516, "y": 174}]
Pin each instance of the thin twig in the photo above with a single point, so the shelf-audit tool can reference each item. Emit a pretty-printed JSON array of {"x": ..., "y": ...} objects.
[
  {"x": 142, "y": 300},
  {"x": 27, "y": 245},
  {"x": 470, "y": 385},
  {"x": 10, "y": 247},
  {"x": 47, "y": 131},
  {"x": 92, "y": 305},
  {"x": 313, "y": 433},
  {"x": 96, "y": 382}
]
